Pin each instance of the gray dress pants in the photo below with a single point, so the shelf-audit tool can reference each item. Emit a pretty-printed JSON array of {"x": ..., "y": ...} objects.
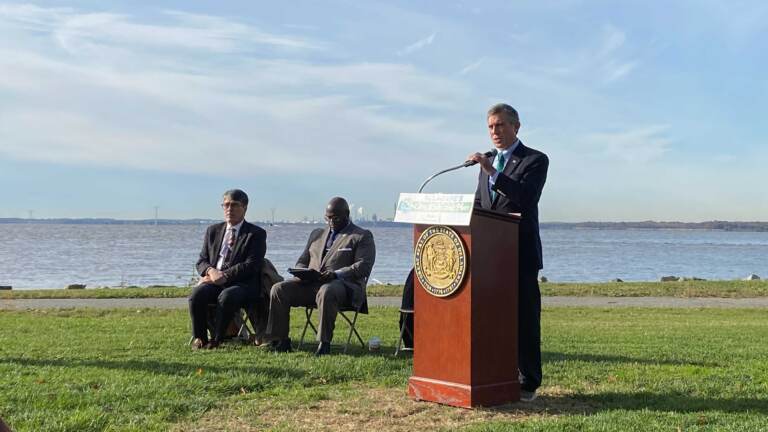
[{"x": 328, "y": 297}]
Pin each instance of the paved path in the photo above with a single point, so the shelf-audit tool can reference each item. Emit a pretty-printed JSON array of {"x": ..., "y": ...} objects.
[{"x": 606, "y": 302}]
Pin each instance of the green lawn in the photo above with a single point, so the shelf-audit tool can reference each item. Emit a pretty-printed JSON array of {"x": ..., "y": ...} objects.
[
  {"x": 605, "y": 369},
  {"x": 728, "y": 289}
]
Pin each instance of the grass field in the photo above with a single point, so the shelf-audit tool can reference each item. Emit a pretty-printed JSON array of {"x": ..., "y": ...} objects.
[
  {"x": 605, "y": 370},
  {"x": 727, "y": 289}
]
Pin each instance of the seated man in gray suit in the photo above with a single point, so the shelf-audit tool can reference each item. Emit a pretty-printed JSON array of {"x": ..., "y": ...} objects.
[{"x": 343, "y": 254}]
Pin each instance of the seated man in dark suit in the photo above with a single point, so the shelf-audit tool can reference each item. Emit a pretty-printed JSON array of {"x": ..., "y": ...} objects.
[
  {"x": 230, "y": 266},
  {"x": 343, "y": 254}
]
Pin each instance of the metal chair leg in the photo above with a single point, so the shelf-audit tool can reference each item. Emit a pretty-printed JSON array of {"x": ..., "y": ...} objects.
[
  {"x": 400, "y": 339},
  {"x": 352, "y": 329},
  {"x": 403, "y": 329},
  {"x": 308, "y": 313}
]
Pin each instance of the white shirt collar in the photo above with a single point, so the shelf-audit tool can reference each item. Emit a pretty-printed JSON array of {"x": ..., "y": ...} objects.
[
  {"x": 236, "y": 227},
  {"x": 507, "y": 152}
]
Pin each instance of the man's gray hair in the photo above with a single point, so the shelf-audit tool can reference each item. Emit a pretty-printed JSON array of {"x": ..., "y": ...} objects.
[
  {"x": 237, "y": 195},
  {"x": 509, "y": 112}
]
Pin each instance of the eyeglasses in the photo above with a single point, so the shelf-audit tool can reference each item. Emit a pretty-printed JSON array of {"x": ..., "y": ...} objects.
[{"x": 232, "y": 204}]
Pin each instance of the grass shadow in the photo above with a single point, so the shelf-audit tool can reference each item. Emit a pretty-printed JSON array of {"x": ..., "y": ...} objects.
[
  {"x": 601, "y": 358},
  {"x": 157, "y": 367},
  {"x": 578, "y": 404},
  {"x": 675, "y": 402},
  {"x": 355, "y": 350}
]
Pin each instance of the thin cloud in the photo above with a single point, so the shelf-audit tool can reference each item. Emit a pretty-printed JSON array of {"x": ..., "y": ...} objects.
[
  {"x": 609, "y": 56},
  {"x": 135, "y": 106},
  {"x": 80, "y": 32},
  {"x": 417, "y": 45},
  {"x": 605, "y": 61},
  {"x": 472, "y": 66},
  {"x": 613, "y": 40},
  {"x": 614, "y": 71},
  {"x": 641, "y": 145}
]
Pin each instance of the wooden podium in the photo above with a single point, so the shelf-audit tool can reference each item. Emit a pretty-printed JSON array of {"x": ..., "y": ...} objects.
[{"x": 466, "y": 343}]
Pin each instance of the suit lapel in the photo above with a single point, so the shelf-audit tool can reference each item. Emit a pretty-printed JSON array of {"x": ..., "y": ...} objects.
[
  {"x": 485, "y": 194},
  {"x": 340, "y": 238},
  {"x": 217, "y": 240},
  {"x": 244, "y": 230},
  {"x": 514, "y": 159},
  {"x": 510, "y": 167},
  {"x": 319, "y": 247}
]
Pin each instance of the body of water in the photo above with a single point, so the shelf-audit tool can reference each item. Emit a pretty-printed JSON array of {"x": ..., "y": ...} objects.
[{"x": 53, "y": 256}]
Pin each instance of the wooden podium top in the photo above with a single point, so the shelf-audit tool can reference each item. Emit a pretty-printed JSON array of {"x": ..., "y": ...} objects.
[{"x": 493, "y": 214}]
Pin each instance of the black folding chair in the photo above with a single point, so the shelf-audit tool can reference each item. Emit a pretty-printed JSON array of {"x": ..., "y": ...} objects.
[
  {"x": 405, "y": 329},
  {"x": 343, "y": 312},
  {"x": 406, "y": 316}
]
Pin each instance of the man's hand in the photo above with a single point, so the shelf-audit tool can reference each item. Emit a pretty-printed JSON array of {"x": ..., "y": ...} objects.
[
  {"x": 485, "y": 163},
  {"x": 327, "y": 276},
  {"x": 217, "y": 276},
  {"x": 212, "y": 275}
]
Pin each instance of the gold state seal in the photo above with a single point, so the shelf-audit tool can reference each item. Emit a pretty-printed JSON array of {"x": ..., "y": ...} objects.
[{"x": 440, "y": 260}]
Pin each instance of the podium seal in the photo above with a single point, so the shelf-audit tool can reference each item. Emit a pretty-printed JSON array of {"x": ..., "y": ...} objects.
[{"x": 440, "y": 260}]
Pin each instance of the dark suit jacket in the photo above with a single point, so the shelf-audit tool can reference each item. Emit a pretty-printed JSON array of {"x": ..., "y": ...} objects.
[
  {"x": 518, "y": 189},
  {"x": 243, "y": 266},
  {"x": 351, "y": 256}
]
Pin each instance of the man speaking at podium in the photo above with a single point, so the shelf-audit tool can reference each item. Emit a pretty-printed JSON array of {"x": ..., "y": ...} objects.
[{"x": 511, "y": 182}]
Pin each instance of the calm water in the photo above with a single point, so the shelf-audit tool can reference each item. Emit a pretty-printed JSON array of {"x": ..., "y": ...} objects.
[{"x": 52, "y": 256}]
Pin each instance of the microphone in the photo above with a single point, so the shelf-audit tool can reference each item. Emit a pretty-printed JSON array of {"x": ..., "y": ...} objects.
[
  {"x": 487, "y": 154},
  {"x": 491, "y": 153}
]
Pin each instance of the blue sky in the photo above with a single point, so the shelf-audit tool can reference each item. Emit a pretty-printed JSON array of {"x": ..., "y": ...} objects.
[{"x": 647, "y": 110}]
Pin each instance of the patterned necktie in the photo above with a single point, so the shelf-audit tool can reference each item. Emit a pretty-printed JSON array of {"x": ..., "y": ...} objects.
[
  {"x": 229, "y": 244},
  {"x": 499, "y": 166}
]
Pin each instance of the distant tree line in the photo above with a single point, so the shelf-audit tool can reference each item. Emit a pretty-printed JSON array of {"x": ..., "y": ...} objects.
[
  {"x": 711, "y": 225},
  {"x": 106, "y": 221}
]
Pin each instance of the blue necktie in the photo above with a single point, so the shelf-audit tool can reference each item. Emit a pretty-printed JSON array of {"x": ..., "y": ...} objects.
[{"x": 329, "y": 242}]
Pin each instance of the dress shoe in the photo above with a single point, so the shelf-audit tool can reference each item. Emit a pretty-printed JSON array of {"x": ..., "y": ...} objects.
[
  {"x": 323, "y": 349},
  {"x": 198, "y": 343},
  {"x": 283, "y": 345},
  {"x": 527, "y": 396},
  {"x": 214, "y": 344}
]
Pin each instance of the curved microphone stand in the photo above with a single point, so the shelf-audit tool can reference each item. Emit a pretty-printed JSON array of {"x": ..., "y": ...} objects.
[
  {"x": 438, "y": 173},
  {"x": 491, "y": 153}
]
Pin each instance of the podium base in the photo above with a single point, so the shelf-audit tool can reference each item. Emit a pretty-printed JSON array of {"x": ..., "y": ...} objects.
[{"x": 463, "y": 395}]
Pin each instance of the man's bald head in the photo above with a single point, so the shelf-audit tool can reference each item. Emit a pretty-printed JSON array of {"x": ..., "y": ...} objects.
[{"x": 337, "y": 213}]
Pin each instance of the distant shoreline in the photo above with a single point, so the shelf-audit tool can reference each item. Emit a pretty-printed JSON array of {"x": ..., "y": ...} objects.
[{"x": 709, "y": 225}]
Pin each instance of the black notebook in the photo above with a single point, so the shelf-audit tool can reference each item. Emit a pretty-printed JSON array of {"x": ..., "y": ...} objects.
[{"x": 305, "y": 274}]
